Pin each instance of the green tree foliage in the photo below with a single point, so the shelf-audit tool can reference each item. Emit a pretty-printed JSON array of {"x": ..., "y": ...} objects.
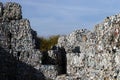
[{"x": 47, "y": 43}]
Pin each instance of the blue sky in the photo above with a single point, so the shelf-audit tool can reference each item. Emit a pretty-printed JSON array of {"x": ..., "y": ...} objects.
[{"x": 51, "y": 17}]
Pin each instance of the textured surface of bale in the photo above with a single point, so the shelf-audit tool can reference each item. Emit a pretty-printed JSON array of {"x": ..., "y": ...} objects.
[
  {"x": 95, "y": 55},
  {"x": 12, "y": 11},
  {"x": 19, "y": 58},
  {"x": 50, "y": 71}
]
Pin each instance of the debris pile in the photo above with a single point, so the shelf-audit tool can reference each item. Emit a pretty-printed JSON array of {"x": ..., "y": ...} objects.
[
  {"x": 94, "y": 55},
  {"x": 12, "y": 11},
  {"x": 16, "y": 39}
]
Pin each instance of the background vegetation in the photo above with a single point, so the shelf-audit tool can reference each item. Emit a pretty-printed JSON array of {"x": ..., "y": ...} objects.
[{"x": 47, "y": 43}]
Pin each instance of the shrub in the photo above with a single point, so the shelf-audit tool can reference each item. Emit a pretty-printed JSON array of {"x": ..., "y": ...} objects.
[{"x": 47, "y": 43}]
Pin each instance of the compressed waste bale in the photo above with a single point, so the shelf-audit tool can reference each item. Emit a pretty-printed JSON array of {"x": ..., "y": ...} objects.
[{"x": 12, "y": 11}]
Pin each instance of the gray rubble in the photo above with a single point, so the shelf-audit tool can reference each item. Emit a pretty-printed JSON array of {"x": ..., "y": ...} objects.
[
  {"x": 96, "y": 55},
  {"x": 12, "y": 11},
  {"x": 50, "y": 71},
  {"x": 20, "y": 60},
  {"x": 21, "y": 31}
]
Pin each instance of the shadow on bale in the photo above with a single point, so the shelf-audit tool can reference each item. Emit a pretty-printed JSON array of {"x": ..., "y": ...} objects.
[{"x": 13, "y": 69}]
